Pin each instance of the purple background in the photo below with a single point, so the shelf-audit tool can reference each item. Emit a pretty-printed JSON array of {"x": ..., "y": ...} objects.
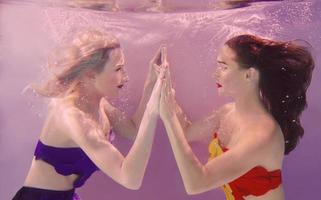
[{"x": 27, "y": 34}]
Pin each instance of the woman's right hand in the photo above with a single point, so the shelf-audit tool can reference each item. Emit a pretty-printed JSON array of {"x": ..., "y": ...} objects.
[{"x": 155, "y": 66}]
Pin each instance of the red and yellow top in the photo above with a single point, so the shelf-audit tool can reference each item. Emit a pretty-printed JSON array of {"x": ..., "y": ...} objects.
[{"x": 257, "y": 181}]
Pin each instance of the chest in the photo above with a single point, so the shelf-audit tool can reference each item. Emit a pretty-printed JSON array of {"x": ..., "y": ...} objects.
[
  {"x": 230, "y": 130},
  {"x": 56, "y": 133}
]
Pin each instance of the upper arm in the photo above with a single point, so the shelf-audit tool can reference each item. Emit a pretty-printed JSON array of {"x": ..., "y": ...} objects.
[
  {"x": 238, "y": 160},
  {"x": 208, "y": 125},
  {"x": 92, "y": 141},
  {"x": 122, "y": 124}
]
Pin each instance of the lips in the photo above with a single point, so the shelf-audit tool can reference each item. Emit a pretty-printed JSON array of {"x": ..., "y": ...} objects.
[
  {"x": 219, "y": 85},
  {"x": 120, "y": 86}
]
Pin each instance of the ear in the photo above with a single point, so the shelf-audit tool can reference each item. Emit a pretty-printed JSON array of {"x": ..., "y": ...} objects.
[{"x": 252, "y": 74}]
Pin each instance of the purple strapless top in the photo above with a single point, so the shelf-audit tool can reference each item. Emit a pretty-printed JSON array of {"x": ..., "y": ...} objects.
[{"x": 68, "y": 160}]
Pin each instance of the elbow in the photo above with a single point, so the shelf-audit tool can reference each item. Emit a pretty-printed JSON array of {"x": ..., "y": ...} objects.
[
  {"x": 193, "y": 188},
  {"x": 131, "y": 182},
  {"x": 204, "y": 184},
  {"x": 134, "y": 185},
  {"x": 197, "y": 190},
  {"x": 129, "y": 178},
  {"x": 193, "y": 191}
]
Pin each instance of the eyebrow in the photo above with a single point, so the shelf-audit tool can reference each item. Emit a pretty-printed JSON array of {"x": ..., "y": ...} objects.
[{"x": 119, "y": 65}]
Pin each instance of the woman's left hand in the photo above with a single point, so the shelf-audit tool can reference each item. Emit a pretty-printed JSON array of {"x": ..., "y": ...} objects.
[
  {"x": 155, "y": 66},
  {"x": 167, "y": 101}
]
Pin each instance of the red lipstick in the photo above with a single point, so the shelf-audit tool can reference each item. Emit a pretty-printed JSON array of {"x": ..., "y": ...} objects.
[{"x": 218, "y": 85}]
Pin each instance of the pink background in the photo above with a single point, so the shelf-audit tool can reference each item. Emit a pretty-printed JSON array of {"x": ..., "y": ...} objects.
[{"x": 27, "y": 34}]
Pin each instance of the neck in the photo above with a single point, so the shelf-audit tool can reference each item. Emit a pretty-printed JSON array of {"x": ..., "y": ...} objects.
[
  {"x": 249, "y": 103},
  {"x": 86, "y": 100}
]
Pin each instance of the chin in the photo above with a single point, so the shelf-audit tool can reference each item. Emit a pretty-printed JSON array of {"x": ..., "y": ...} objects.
[
  {"x": 114, "y": 94},
  {"x": 220, "y": 92},
  {"x": 223, "y": 94},
  {"x": 107, "y": 94}
]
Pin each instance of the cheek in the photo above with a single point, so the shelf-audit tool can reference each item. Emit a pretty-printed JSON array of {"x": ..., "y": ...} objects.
[
  {"x": 105, "y": 81},
  {"x": 115, "y": 79},
  {"x": 232, "y": 80},
  {"x": 227, "y": 78}
]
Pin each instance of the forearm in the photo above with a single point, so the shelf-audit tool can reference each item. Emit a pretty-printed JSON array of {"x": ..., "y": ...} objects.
[
  {"x": 134, "y": 164},
  {"x": 192, "y": 171},
  {"x": 182, "y": 117},
  {"x": 147, "y": 91}
]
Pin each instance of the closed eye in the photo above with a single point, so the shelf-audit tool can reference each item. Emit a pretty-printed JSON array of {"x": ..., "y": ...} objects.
[{"x": 221, "y": 62}]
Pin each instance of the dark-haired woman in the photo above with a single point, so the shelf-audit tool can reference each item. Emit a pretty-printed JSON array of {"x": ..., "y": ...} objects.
[{"x": 268, "y": 81}]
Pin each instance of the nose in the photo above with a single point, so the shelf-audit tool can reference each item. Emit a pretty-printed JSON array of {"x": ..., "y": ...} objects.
[
  {"x": 215, "y": 74},
  {"x": 125, "y": 77}
]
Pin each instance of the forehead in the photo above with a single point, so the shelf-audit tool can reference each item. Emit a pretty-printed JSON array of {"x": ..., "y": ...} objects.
[
  {"x": 117, "y": 56},
  {"x": 226, "y": 54}
]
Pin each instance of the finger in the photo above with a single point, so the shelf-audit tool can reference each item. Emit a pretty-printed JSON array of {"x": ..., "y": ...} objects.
[
  {"x": 167, "y": 85},
  {"x": 173, "y": 92},
  {"x": 165, "y": 92},
  {"x": 164, "y": 55},
  {"x": 157, "y": 68},
  {"x": 168, "y": 74},
  {"x": 162, "y": 73},
  {"x": 169, "y": 89},
  {"x": 168, "y": 78},
  {"x": 157, "y": 57}
]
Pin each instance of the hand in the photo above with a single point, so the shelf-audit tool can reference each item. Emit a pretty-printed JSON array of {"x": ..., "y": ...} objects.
[
  {"x": 167, "y": 101},
  {"x": 153, "y": 103},
  {"x": 155, "y": 66}
]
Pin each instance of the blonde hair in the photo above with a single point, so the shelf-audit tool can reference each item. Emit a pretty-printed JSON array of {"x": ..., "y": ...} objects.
[{"x": 89, "y": 50}]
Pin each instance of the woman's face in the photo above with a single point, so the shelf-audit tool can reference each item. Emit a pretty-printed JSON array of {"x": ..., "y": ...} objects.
[
  {"x": 230, "y": 77},
  {"x": 113, "y": 77}
]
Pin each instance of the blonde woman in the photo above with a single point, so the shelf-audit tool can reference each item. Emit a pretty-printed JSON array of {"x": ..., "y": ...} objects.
[{"x": 76, "y": 138}]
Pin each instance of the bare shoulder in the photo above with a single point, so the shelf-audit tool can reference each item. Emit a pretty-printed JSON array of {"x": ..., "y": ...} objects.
[
  {"x": 67, "y": 115},
  {"x": 72, "y": 116},
  {"x": 56, "y": 130},
  {"x": 263, "y": 125},
  {"x": 265, "y": 131},
  {"x": 266, "y": 139}
]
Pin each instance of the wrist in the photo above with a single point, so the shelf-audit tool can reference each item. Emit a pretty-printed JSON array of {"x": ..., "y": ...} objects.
[
  {"x": 169, "y": 117},
  {"x": 149, "y": 84},
  {"x": 151, "y": 110}
]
